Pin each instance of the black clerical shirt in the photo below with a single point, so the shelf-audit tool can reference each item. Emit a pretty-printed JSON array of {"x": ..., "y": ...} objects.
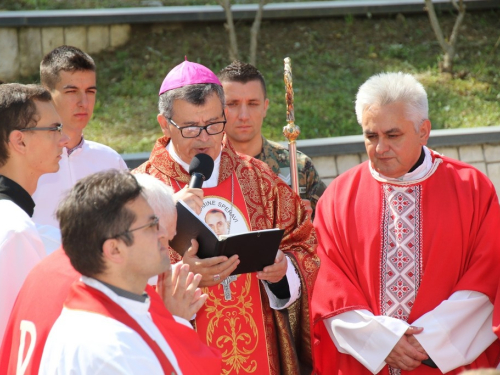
[{"x": 14, "y": 192}]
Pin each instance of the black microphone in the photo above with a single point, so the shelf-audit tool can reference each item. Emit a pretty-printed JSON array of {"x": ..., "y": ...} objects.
[{"x": 200, "y": 169}]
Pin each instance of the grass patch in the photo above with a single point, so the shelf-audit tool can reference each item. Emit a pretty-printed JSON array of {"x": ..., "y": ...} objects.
[{"x": 331, "y": 59}]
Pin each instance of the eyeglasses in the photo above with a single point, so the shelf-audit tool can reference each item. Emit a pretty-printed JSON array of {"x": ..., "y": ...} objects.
[
  {"x": 153, "y": 223},
  {"x": 195, "y": 131},
  {"x": 57, "y": 128}
]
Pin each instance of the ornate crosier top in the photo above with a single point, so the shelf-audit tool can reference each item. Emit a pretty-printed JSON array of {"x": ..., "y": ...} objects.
[{"x": 290, "y": 131}]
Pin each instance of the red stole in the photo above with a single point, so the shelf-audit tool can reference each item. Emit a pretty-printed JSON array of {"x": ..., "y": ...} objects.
[
  {"x": 84, "y": 297},
  {"x": 235, "y": 326}
]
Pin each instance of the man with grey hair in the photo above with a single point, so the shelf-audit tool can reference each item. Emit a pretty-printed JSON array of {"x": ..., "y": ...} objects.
[
  {"x": 409, "y": 250},
  {"x": 264, "y": 339}
]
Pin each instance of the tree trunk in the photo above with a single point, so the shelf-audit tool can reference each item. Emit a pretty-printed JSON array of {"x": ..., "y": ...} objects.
[
  {"x": 447, "y": 65},
  {"x": 233, "y": 43},
  {"x": 449, "y": 48},
  {"x": 496, "y": 44},
  {"x": 254, "y": 33}
]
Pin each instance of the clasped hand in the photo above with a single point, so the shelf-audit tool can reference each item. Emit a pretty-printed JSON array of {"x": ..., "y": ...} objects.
[{"x": 407, "y": 354}]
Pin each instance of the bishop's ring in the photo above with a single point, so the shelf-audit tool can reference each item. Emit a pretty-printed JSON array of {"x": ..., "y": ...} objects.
[{"x": 216, "y": 277}]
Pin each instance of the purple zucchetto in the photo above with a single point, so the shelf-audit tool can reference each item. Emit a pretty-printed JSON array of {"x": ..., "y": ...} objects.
[{"x": 188, "y": 73}]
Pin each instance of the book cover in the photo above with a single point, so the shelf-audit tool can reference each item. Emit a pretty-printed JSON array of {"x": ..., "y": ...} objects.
[{"x": 256, "y": 249}]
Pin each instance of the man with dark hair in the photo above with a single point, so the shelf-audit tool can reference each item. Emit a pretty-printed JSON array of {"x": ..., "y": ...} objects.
[
  {"x": 31, "y": 144},
  {"x": 114, "y": 239},
  {"x": 263, "y": 340},
  {"x": 69, "y": 74},
  {"x": 48, "y": 284},
  {"x": 246, "y": 109}
]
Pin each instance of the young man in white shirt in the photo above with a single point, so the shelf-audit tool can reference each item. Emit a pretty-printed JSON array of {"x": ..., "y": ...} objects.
[
  {"x": 31, "y": 144},
  {"x": 69, "y": 74}
]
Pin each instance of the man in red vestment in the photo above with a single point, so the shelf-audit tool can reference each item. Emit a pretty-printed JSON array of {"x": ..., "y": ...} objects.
[
  {"x": 42, "y": 296},
  {"x": 409, "y": 250},
  {"x": 260, "y": 321}
]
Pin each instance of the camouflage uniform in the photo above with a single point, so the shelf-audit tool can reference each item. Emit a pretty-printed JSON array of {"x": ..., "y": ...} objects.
[{"x": 277, "y": 157}]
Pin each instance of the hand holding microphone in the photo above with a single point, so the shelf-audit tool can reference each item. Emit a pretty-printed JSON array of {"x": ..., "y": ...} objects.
[{"x": 200, "y": 169}]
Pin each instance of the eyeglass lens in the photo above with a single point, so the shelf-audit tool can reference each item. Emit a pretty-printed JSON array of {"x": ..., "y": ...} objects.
[
  {"x": 48, "y": 128},
  {"x": 194, "y": 131}
]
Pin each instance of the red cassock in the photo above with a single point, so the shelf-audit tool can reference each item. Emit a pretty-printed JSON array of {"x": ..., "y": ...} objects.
[
  {"x": 457, "y": 248},
  {"x": 40, "y": 302}
]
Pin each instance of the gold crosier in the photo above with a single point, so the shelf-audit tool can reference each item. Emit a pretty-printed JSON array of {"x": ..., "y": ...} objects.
[
  {"x": 291, "y": 131},
  {"x": 241, "y": 344}
]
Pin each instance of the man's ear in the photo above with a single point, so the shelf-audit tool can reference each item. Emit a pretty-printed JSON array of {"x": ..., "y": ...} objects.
[
  {"x": 163, "y": 125},
  {"x": 424, "y": 132},
  {"x": 113, "y": 250},
  {"x": 16, "y": 142},
  {"x": 266, "y": 106}
]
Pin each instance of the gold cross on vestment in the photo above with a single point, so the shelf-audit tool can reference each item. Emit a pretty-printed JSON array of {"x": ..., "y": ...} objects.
[{"x": 225, "y": 285}]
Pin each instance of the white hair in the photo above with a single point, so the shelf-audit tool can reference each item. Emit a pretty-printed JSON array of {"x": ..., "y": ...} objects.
[
  {"x": 159, "y": 195},
  {"x": 387, "y": 88}
]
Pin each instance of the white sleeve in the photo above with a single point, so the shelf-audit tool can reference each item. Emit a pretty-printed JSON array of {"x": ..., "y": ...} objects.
[
  {"x": 122, "y": 164},
  {"x": 366, "y": 337},
  {"x": 458, "y": 330},
  {"x": 294, "y": 285},
  {"x": 50, "y": 236},
  {"x": 19, "y": 253}
]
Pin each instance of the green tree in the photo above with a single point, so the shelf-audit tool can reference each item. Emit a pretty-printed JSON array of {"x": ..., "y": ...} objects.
[
  {"x": 254, "y": 31},
  {"x": 449, "y": 46}
]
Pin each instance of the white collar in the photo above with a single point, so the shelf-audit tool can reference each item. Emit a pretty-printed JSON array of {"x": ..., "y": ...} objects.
[
  {"x": 212, "y": 181},
  {"x": 422, "y": 172}
]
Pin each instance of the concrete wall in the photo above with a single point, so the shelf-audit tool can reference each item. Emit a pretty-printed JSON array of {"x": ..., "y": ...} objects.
[
  {"x": 479, "y": 147},
  {"x": 485, "y": 157},
  {"x": 22, "y": 48}
]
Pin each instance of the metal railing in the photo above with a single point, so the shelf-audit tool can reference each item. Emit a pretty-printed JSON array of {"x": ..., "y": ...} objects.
[{"x": 215, "y": 13}]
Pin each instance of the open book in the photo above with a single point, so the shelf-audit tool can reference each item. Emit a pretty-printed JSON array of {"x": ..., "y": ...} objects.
[{"x": 256, "y": 250}]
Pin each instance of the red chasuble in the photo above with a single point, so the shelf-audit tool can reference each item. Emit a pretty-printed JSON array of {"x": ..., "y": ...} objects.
[
  {"x": 264, "y": 201},
  {"x": 455, "y": 217},
  {"x": 232, "y": 318},
  {"x": 40, "y": 302}
]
